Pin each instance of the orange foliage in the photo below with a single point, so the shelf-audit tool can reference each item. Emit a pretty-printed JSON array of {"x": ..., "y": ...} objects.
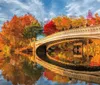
[
  {"x": 57, "y": 22},
  {"x": 17, "y": 24},
  {"x": 97, "y": 18},
  {"x": 66, "y": 23},
  {"x": 91, "y": 22},
  {"x": 27, "y": 19},
  {"x": 62, "y": 23},
  {"x": 94, "y": 20},
  {"x": 2, "y": 41},
  {"x": 95, "y": 61},
  {"x": 13, "y": 29}
]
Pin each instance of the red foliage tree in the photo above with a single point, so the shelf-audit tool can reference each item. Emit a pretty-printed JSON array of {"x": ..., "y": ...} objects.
[
  {"x": 50, "y": 28},
  {"x": 91, "y": 22}
]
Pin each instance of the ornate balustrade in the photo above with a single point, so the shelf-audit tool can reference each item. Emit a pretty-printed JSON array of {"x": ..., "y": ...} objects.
[{"x": 93, "y": 32}]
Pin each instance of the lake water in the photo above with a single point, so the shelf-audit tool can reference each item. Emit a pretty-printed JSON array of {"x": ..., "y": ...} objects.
[{"x": 19, "y": 70}]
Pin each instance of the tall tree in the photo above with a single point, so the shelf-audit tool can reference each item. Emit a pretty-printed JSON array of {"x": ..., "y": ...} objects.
[{"x": 13, "y": 29}]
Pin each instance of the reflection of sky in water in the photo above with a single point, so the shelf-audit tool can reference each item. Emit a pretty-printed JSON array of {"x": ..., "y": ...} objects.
[
  {"x": 42, "y": 80},
  {"x": 3, "y": 81}
]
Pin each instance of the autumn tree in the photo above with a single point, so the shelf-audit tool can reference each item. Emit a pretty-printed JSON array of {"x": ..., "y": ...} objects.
[
  {"x": 78, "y": 22},
  {"x": 50, "y": 28},
  {"x": 65, "y": 23},
  {"x": 13, "y": 29},
  {"x": 83, "y": 21},
  {"x": 62, "y": 23},
  {"x": 57, "y": 21},
  {"x": 91, "y": 21}
]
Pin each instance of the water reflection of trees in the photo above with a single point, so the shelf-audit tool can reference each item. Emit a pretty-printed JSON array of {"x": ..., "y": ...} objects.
[
  {"x": 77, "y": 52},
  {"x": 19, "y": 70}
]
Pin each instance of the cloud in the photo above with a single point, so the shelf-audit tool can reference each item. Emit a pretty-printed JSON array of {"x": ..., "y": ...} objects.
[
  {"x": 52, "y": 14},
  {"x": 81, "y": 7},
  {"x": 16, "y": 2},
  {"x": 98, "y": 0},
  {"x": 97, "y": 11},
  {"x": 8, "y": 8}
]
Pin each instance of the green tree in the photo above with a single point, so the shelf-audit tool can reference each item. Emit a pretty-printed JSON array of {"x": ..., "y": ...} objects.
[{"x": 32, "y": 31}]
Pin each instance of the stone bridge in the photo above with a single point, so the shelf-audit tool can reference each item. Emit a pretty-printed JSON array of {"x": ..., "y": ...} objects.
[{"x": 88, "y": 32}]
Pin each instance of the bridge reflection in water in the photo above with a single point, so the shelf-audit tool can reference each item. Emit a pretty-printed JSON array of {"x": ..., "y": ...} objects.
[{"x": 84, "y": 51}]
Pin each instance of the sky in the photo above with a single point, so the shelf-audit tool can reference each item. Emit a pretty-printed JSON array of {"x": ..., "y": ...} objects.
[{"x": 45, "y": 10}]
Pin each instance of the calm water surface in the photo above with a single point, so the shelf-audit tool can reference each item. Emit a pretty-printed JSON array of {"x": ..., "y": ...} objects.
[{"x": 16, "y": 69}]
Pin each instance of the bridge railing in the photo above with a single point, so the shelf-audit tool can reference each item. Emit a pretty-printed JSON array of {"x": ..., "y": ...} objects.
[{"x": 80, "y": 32}]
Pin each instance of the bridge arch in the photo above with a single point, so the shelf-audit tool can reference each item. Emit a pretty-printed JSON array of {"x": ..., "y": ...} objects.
[{"x": 88, "y": 32}]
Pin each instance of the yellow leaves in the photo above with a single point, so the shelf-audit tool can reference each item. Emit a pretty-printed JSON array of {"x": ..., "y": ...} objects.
[
  {"x": 6, "y": 50},
  {"x": 76, "y": 23},
  {"x": 95, "y": 61},
  {"x": 65, "y": 23},
  {"x": 57, "y": 22},
  {"x": 62, "y": 23}
]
